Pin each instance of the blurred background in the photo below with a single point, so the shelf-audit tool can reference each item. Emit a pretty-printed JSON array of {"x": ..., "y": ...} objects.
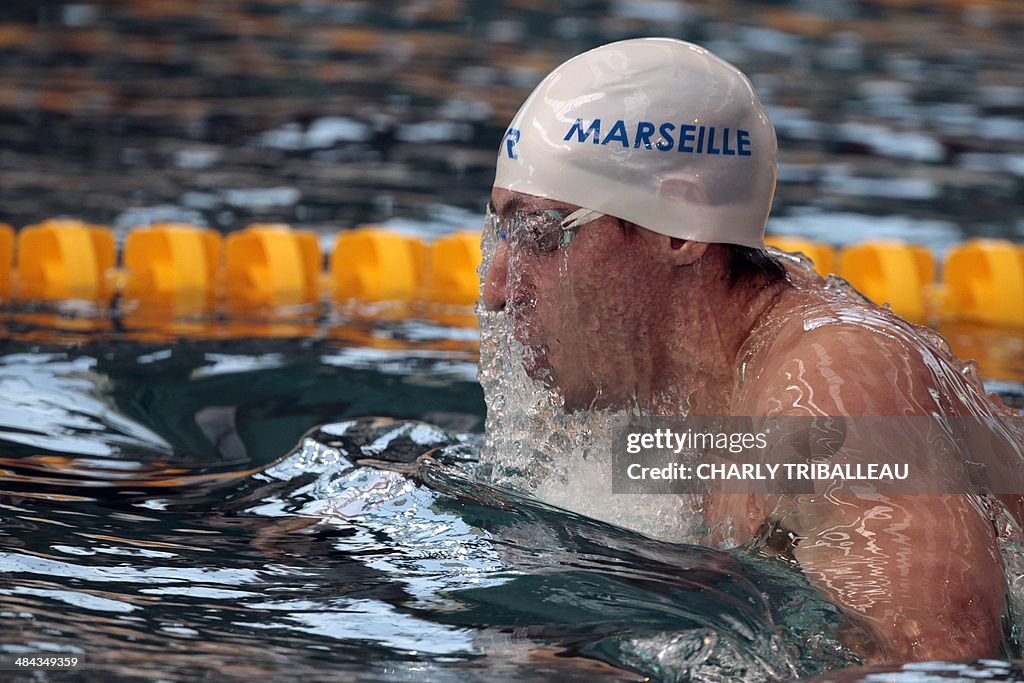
[{"x": 896, "y": 118}]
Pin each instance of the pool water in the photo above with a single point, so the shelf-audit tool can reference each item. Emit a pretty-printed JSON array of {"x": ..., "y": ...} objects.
[
  {"x": 163, "y": 516},
  {"x": 223, "y": 508}
]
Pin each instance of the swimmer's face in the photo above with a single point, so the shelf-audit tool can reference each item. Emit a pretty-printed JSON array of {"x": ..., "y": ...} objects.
[{"x": 568, "y": 294}]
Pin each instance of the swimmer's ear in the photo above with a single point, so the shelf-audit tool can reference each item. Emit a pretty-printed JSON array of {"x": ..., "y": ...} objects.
[
  {"x": 682, "y": 252},
  {"x": 684, "y": 189}
]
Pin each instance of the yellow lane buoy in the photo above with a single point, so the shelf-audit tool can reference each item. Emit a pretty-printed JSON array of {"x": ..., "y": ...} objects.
[
  {"x": 374, "y": 264},
  {"x": 891, "y": 272},
  {"x": 270, "y": 265},
  {"x": 64, "y": 259},
  {"x": 172, "y": 266},
  {"x": 983, "y": 281}
]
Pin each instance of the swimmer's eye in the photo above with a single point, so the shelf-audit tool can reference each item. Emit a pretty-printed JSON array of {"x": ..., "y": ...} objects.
[
  {"x": 540, "y": 231},
  {"x": 543, "y": 231}
]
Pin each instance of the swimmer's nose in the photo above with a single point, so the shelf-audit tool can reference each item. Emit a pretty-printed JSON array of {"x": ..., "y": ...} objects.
[{"x": 497, "y": 280}]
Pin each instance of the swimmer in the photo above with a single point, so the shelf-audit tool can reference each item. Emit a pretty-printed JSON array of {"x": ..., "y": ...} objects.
[{"x": 628, "y": 212}]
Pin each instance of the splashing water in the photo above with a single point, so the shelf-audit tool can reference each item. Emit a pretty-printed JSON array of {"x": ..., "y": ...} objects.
[{"x": 564, "y": 458}]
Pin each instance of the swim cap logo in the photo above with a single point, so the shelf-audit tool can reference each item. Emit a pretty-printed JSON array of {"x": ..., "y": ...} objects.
[
  {"x": 511, "y": 140},
  {"x": 692, "y": 139}
]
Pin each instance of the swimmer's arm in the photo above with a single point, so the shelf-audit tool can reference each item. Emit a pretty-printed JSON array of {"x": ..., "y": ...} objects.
[{"x": 921, "y": 571}]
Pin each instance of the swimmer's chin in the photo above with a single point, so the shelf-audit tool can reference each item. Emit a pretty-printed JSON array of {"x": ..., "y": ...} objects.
[
  {"x": 539, "y": 370},
  {"x": 574, "y": 398}
]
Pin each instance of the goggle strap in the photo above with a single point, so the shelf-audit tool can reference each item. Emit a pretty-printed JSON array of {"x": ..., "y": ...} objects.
[{"x": 579, "y": 218}]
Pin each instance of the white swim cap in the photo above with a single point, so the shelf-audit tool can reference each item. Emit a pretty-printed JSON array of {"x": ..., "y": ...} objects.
[{"x": 655, "y": 131}]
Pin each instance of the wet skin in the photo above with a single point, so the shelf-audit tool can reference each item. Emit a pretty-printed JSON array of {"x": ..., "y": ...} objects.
[{"x": 663, "y": 330}]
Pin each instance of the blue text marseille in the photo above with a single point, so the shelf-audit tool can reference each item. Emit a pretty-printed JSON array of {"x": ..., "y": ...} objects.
[{"x": 693, "y": 139}]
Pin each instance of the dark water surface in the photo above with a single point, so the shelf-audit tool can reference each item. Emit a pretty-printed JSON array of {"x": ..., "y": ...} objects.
[
  {"x": 165, "y": 516},
  {"x": 152, "y": 528}
]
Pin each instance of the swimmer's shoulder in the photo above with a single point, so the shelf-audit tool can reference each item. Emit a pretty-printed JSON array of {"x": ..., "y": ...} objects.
[{"x": 829, "y": 359}]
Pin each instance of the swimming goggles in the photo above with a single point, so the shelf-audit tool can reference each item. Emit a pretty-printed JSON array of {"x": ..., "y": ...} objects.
[{"x": 542, "y": 231}]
